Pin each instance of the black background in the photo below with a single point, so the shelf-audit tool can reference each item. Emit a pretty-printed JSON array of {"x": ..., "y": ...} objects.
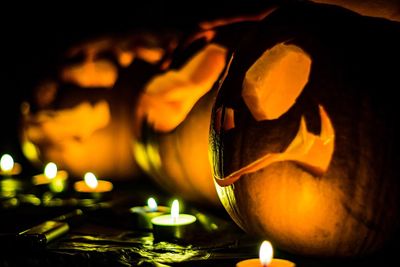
[{"x": 34, "y": 34}]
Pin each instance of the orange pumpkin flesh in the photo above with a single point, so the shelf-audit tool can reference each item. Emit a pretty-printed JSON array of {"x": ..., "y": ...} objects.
[
  {"x": 267, "y": 91},
  {"x": 319, "y": 176},
  {"x": 168, "y": 98}
]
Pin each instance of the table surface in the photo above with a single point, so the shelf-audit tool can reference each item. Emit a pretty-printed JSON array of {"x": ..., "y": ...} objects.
[{"x": 109, "y": 234}]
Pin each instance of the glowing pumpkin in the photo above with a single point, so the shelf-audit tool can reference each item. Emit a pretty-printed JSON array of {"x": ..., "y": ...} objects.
[
  {"x": 173, "y": 143},
  {"x": 81, "y": 117},
  {"x": 303, "y": 136},
  {"x": 175, "y": 111}
]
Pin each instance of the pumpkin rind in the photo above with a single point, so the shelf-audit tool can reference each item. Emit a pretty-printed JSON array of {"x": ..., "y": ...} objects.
[
  {"x": 173, "y": 143},
  {"x": 351, "y": 209}
]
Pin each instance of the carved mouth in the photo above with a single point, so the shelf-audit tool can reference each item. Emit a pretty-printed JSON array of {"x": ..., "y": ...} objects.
[
  {"x": 313, "y": 152},
  {"x": 77, "y": 123}
]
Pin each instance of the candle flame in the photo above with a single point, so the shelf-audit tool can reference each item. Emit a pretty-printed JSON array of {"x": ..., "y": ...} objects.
[
  {"x": 266, "y": 253},
  {"x": 175, "y": 209},
  {"x": 91, "y": 180},
  {"x": 152, "y": 204},
  {"x": 6, "y": 163},
  {"x": 50, "y": 171}
]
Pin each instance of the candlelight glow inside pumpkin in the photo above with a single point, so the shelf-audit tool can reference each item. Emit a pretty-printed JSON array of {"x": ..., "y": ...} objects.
[
  {"x": 267, "y": 90},
  {"x": 169, "y": 97}
]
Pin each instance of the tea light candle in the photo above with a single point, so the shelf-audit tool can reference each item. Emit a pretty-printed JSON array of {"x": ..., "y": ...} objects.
[
  {"x": 8, "y": 167},
  {"x": 144, "y": 214},
  {"x": 50, "y": 174},
  {"x": 266, "y": 259},
  {"x": 91, "y": 185},
  {"x": 173, "y": 225},
  {"x": 9, "y": 186}
]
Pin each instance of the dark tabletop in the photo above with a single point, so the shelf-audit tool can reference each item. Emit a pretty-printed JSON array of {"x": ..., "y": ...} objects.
[{"x": 108, "y": 234}]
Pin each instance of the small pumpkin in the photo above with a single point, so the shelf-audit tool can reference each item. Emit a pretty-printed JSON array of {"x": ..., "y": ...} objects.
[
  {"x": 303, "y": 138},
  {"x": 175, "y": 110},
  {"x": 80, "y": 116}
]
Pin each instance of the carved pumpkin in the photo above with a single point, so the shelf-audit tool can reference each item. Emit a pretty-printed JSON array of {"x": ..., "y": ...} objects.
[
  {"x": 173, "y": 143},
  {"x": 80, "y": 118},
  {"x": 303, "y": 136},
  {"x": 175, "y": 111}
]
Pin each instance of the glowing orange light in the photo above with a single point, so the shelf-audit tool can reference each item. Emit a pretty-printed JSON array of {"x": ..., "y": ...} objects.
[
  {"x": 50, "y": 171},
  {"x": 152, "y": 204},
  {"x": 91, "y": 180},
  {"x": 266, "y": 253},
  {"x": 175, "y": 209},
  {"x": 6, "y": 163}
]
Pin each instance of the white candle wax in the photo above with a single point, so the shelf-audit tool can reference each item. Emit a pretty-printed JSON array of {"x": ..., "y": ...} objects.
[
  {"x": 168, "y": 220},
  {"x": 174, "y": 225}
]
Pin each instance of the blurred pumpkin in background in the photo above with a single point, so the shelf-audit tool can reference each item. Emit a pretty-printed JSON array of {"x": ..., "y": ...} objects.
[
  {"x": 389, "y": 9},
  {"x": 79, "y": 116},
  {"x": 174, "y": 110},
  {"x": 304, "y": 140}
]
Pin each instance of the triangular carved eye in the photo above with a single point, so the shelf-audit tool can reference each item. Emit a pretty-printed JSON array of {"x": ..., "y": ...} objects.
[{"x": 273, "y": 83}]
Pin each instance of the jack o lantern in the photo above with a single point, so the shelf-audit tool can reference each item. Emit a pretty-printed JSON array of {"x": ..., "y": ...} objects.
[
  {"x": 175, "y": 110},
  {"x": 80, "y": 118},
  {"x": 303, "y": 135}
]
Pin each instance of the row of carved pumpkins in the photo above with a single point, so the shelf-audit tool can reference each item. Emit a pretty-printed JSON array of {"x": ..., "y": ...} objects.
[{"x": 293, "y": 107}]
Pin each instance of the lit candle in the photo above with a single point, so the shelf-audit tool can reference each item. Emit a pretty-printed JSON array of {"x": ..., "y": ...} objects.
[
  {"x": 9, "y": 186},
  {"x": 151, "y": 208},
  {"x": 91, "y": 185},
  {"x": 52, "y": 176},
  {"x": 173, "y": 225},
  {"x": 266, "y": 259},
  {"x": 8, "y": 167},
  {"x": 144, "y": 214}
]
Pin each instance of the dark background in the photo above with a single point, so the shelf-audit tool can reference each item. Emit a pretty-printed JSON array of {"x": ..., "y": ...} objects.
[{"x": 34, "y": 35}]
